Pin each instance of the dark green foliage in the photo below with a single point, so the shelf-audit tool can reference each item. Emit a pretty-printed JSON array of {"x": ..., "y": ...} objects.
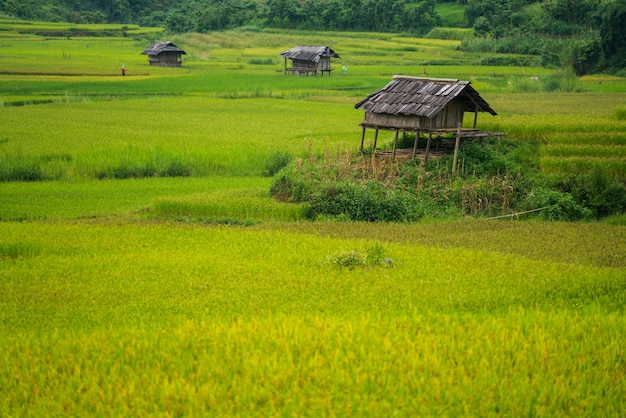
[
  {"x": 177, "y": 167},
  {"x": 602, "y": 195},
  {"x": 21, "y": 167},
  {"x": 19, "y": 249},
  {"x": 373, "y": 256},
  {"x": 368, "y": 201},
  {"x": 483, "y": 158},
  {"x": 493, "y": 178},
  {"x": 141, "y": 169},
  {"x": 553, "y": 205},
  {"x": 276, "y": 161},
  {"x": 586, "y": 35},
  {"x": 211, "y": 15},
  {"x": 613, "y": 35},
  {"x": 563, "y": 32},
  {"x": 25, "y": 167}
]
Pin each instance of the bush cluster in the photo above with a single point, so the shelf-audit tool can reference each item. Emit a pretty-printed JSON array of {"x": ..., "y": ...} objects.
[
  {"x": 373, "y": 256},
  {"x": 493, "y": 178}
]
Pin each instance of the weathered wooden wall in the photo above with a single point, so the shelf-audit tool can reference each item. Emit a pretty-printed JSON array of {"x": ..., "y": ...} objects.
[{"x": 448, "y": 118}]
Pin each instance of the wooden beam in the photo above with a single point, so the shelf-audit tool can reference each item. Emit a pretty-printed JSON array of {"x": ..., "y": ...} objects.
[
  {"x": 362, "y": 138},
  {"x": 415, "y": 143},
  {"x": 457, "y": 143},
  {"x": 430, "y": 136},
  {"x": 375, "y": 140},
  {"x": 395, "y": 143},
  {"x": 475, "y": 118}
]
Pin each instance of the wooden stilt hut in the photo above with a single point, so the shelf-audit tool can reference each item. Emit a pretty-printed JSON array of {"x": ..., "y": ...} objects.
[
  {"x": 164, "y": 54},
  {"x": 308, "y": 59},
  {"x": 431, "y": 106}
]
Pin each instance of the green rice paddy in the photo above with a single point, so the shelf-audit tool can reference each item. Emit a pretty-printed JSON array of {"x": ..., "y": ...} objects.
[{"x": 127, "y": 292}]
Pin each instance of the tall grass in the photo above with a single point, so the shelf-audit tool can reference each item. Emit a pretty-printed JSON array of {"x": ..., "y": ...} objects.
[
  {"x": 232, "y": 206},
  {"x": 133, "y": 319},
  {"x": 192, "y": 137},
  {"x": 420, "y": 365},
  {"x": 106, "y": 199}
]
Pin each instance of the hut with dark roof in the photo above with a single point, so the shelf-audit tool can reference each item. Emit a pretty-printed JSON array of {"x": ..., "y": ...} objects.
[
  {"x": 434, "y": 107},
  {"x": 164, "y": 54},
  {"x": 308, "y": 59}
]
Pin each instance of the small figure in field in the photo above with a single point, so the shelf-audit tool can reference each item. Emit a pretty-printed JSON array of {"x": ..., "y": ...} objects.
[
  {"x": 123, "y": 70},
  {"x": 345, "y": 69}
]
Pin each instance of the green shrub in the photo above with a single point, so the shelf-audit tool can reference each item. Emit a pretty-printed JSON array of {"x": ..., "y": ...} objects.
[
  {"x": 493, "y": 178},
  {"x": 276, "y": 161},
  {"x": 604, "y": 196},
  {"x": 555, "y": 205},
  {"x": 373, "y": 256},
  {"x": 565, "y": 82},
  {"x": 483, "y": 158},
  {"x": 289, "y": 185},
  {"x": 177, "y": 167},
  {"x": 620, "y": 113},
  {"x": 348, "y": 259},
  {"x": 369, "y": 201},
  {"x": 21, "y": 167},
  {"x": 376, "y": 255},
  {"x": 448, "y": 33}
]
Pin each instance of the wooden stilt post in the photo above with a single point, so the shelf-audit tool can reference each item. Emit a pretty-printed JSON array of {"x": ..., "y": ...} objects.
[
  {"x": 430, "y": 137},
  {"x": 395, "y": 143},
  {"x": 475, "y": 118},
  {"x": 415, "y": 144},
  {"x": 456, "y": 148},
  {"x": 375, "y": 140},
  {"x": 363, "y": 138}
]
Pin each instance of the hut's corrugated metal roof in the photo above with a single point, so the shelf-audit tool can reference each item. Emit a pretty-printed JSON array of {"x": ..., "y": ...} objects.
[
  {"x": 419, "y": 96},
  {"x": 309, "y": 53},
  {"x": 161, "y": 46}
]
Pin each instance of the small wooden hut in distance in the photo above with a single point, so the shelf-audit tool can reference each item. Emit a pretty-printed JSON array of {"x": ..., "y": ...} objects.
[
  {"x": 164, "y": 54},
  {"x": 433, "y": 106},
  {"x": 308, "y": 59}
]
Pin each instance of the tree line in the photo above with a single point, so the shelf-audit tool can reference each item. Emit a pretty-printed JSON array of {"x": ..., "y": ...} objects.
[
  {"x": 586, "y": 35},
  {"x": 214, "y": 15}
]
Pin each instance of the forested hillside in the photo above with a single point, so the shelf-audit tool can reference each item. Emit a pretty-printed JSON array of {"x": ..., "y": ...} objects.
[{"x": 586, "y": 35}]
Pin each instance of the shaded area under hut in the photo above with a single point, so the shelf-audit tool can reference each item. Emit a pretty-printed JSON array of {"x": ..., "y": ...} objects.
[
  {"x": 308, "y": 59},
  {"x": 164, "y": 54},
  {"x": 431, "y": 106}
]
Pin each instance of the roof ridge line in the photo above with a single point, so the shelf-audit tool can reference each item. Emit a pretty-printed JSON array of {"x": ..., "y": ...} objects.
[{"x": 408, "y": 77}]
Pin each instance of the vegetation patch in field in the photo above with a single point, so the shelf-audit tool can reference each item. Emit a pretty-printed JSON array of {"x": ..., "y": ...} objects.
[
  {"x": 373, "y": 255},
  {"x": 246, "y": 205},
  {"x": 18, "y": 250}
]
